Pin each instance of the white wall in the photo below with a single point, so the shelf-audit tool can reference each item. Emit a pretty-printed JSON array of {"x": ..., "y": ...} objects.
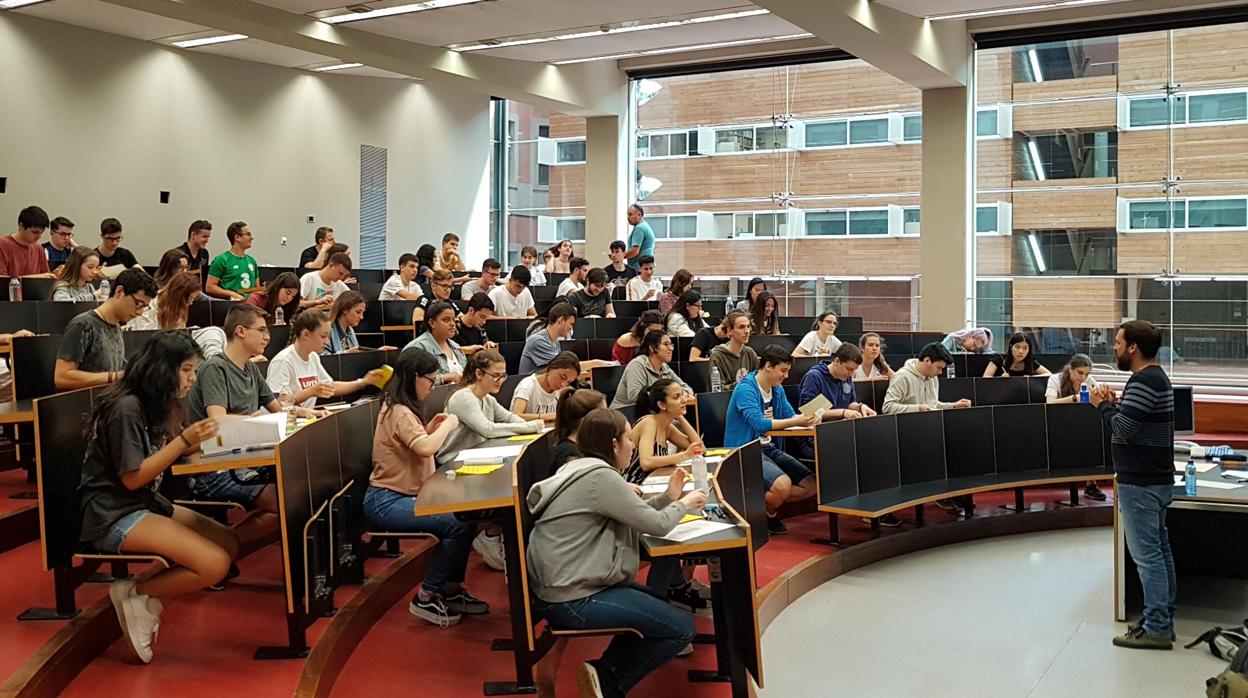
[{"x": 94, "y": 125}]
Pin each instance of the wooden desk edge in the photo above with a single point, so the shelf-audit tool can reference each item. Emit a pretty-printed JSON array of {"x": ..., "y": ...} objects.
[
  {"x": 457, "y": 507},
  {"x": 224, "y": 464},
  {"x": 964, "y": 491}
]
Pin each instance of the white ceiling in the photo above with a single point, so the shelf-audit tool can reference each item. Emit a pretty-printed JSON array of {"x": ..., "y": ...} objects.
[
  {"x": 105, "y": 17},
  {"x": 923, "y": 8}
]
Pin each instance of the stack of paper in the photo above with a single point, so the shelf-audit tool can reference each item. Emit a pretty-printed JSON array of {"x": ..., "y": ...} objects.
[{"x": 236, "y": 435}]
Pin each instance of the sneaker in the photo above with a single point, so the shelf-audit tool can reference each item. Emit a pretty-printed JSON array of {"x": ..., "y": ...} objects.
[
  {"x": 220, "y": 586},
  {"x": 775, "y": 526},
  {"x": 685, "y": 651},
  {"x": 138, "y": 624},
  {"x": 947, "y": 505},
  {"x": 1094, "y": 493},
  {"x": 433, "y": 611},
  {"x": 686, "y": 598},
  {"x": 587, "y": 681},
  {"x": 1137, "y": 638},
  {"x": 704, "y": 590},
  {"x": 464, "y": 602},
  {"x": 491, "y": 550},
  {"x": 1140, "y": 625},
  {"x": 890, "y": 521}
]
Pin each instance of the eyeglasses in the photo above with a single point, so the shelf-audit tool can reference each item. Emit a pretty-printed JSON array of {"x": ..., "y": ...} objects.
[
  {"x": 139, "y": 304},
  {"x": 496, "y": 376},
  {"x": 444, "y": 285},
  {"x": 432, "y": 381},
  {"x": 263, "y": 329},
  {"x": 69, "y": 234}
]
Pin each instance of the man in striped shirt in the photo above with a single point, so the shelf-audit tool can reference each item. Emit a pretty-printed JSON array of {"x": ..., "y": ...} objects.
[{"x": 1142, "y": 421}]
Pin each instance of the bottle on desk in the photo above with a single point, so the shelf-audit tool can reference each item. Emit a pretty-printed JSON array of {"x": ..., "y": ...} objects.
[
  {"x": 279, "y": 316},
  {"x": 728, "y": 306},
  {"x": 950, "y": 371},
  {"x": 15, "y": 289},
  {"x": 1083, "y": 394},
  {"x": 717, "y": 383},
  {"x": 1189, "y": 477},
  {"x": 103, "y": 292}
]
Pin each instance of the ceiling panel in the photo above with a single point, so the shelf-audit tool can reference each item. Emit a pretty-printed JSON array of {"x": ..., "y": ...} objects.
[
  {"x": 102, "y": 16},
  {"x": 264, "y": 52},
  {"x": 923, "y": 8},
  {"x": 304, "y": 7}
]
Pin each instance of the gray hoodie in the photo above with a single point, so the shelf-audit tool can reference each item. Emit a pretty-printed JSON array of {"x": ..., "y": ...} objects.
[
  {"x": 908, "y": 389},
  {"x": 588, "y": 525}
]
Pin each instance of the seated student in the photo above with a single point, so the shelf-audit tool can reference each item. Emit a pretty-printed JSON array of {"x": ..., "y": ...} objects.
[
  {"x": 755, "y": 287},
  {"x": 319, "y": 288},
  {"x": 403, "y": 450},
  {"x": 448, "y": 258},
  {"x": 578, "y": 270},
  {"x": 171, "y": 262},
  {"x": 537, "y": 396},
  {"x": 512, "y": 299},
  {"x": 660, "y": 424},
  {"x": 316, "y": 256},
  {"x": 92, "y": 352},
  {"x": 734, "y": 359},
  {"x": 139, "y": 429},
  {"x": 20, "y": 253},
  {"x": 1064, "y": 386},
  {"x": 834, "y": 380},
  {"x": 480, "y": 416},
  {"x": 60, "y": 242},
  {"x": 528, "y": 259},
  {"x": 485, "y": 283},
  {"x": 440, "y": 286},
  {"x": 543, "y": 346},
  {"x": 914, "y": 387},
  {"x": 1020, "y": 360},
  {"x": 76, "y": 275},
  {"x": 618, "y": 271},
  {"x": 974, "y": 340},
  {"x": 574, "y": 404},
  {"x": 593, "y": 300},
  {"x": 113, "y": 257},
  {"x": 706, "y": 339},
  {"x": 685, "y": 318},
  {"x": 764, "y": 317},
  {"x": 758, "y": 405},
  {"x": 6, "y": 377},
  {"x": 296, "y": 375},
  {"x": 819, "y": 341},
  {"x": 403, "y": 285},
  {"x": 652, "y": 363},
  {"x": 583, "y": 556},
  {"x": 560, "y": 261},
  {"x": 282, "y": 292},
  {"x": 425, "y": 255},
  {"x": 437, "y": 339},
  {"x": 644, "y": 287},
  {"x": 625, "y": 348},
  {"x": 470, "y": 325},
  {"x": 233, "y": 273},
  {"x": 682, "y": 281},
  {"x": 343, "y": 319},
  {"x": 873, "y": 366},
  {"x": 171, "y": 307}
]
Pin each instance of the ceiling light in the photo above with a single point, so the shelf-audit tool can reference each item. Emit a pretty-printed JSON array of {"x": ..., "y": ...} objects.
[
  {"x": 396, "y": 10},
  {"x": 14, "y": 4},
  {"x": 681, "y": 49},
  {"x": 1015, "y": 10},
  {"x": 481, "y": 45},
  {"x": 1034, "y": 59},
  {"x": 339, "y": 66},
  {"x": 1036, "y": 164},
  {"x": 208, "y": 41},
  {"x": 1035, "y": 253}
]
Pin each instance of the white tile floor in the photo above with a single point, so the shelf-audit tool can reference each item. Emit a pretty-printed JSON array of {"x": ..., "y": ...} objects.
[{"x": 1027, "y": 616}]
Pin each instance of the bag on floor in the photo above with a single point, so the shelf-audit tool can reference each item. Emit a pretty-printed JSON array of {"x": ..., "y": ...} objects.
[
  {"x": 1232, "y": 683},
  {"x": 1223, "y": 643}
]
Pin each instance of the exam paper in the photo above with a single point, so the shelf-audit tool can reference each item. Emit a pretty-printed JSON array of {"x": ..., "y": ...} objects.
[
  {"x": 265, "y": 430},
  {"x": 818, "y": 404},
  {"x": 696, "y": 529},
  {"x": 493, "y": 454}
]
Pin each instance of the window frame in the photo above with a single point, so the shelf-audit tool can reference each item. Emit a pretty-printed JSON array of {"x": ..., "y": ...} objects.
[
  {"x": 1125, "y": 101},
  {"x": 1124, "y": 214}
]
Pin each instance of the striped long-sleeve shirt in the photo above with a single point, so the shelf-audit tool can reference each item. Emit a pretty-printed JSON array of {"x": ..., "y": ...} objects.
[{"x": 1143, "y": 429}]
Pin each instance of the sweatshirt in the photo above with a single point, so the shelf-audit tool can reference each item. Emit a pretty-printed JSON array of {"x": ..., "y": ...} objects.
[
  {"x": 820, "y": 381},
  {"x": 1142, "y": 422},
  {"x": 909, "y": 389},
  {"x": 746, "y": 420},
  {"x": 587, "y": 531},
  {"x": 479, "y": 421},
  {"x": 732, "y": 367},
  {"x": 639, "y": 375}
]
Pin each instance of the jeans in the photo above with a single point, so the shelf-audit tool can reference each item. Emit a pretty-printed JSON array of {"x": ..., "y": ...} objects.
[
  {"x": 222, "y": 486},
  {"x": 393, "y": 511},
  {"x": 1143, "y": 510},
  {"x": 628, "y": 659}
]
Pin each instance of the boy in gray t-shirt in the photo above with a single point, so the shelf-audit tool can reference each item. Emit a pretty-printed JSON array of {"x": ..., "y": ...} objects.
[{"x": 92, "y": 352}]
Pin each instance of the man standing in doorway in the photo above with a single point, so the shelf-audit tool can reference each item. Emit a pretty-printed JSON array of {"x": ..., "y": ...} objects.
[
  {"x": 641, "y": 240},
  {"x": 1142, "y": 421}
]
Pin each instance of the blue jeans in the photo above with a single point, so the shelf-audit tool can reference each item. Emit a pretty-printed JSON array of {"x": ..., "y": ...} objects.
[
  {"x": 628, "y": 659},
  {"x": 1143, "y": 510},
  {"x": 393, "y": 511}
]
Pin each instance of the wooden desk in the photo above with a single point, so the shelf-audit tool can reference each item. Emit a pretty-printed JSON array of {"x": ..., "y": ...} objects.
[
  {"x": 18, "y": 412},
  {"x": 798, "y": 431},
  {"x": 442, "y": 495},
  {"x": 199, "y": 463}
]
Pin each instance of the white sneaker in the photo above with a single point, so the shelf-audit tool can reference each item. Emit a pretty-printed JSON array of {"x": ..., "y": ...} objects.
[
  {"x": 703, "y": 590},
  {"x": 491, "y": 550},
  {"x": 138, "y": 624}
]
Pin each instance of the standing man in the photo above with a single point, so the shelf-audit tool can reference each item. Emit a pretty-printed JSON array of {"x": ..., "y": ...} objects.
[
  {"x": 641, "y": 240},
  {"x": 112, "y": 254},
  {"x": 20, "y": 253},
  {"x": 233, "y": 273},
  {"x": 1142, "y": 447},
  {"x": 60, "y": 243},
  {"x": 196, "y": 249},
  {"x": 315, "y": 256}
]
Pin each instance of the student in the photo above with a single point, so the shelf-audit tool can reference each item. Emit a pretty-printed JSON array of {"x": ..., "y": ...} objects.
[
  {"x": 490, "y": 269},
  {"x": 873, "y": 366},
  {"x": 974, "y": 340},
  {"x": 528, "y": 258},
  {"x": 138, "y": 431},
  {"x": 819, "y": 341},
  {"x": 196, "y": 249},
  {"x": 233, "y": 272},
  {"x": 282, "y": 292},
  {"x": 734, "y": 359},
  {"x": 706, "y": 339},
  {"x": 425, "y": 259},
  {"x": 682, "y": 281},
  {"x": 618, "y": 271},
  {"x": 315, "y": 257},
  {"x": 625, "y": 348},
  {"x": 470, "y": 325},
  {"x": 92, "y": 352},
  {"x": 593, "y": 300},
  {"x": 574, "y": 404},
  {"x": 112, "y": 254},
  {"x": 296, "y": 376},
  {"x": 512, "y": 299},
  {"x": 480, "y": 416},
  {"x": 171, "y": 307},
  {"x": 543, "y": 346},
  {"x": 644, "y": 287},
  {"x": 641, "y": 239},
  {"x": 437, "y": 340},
  {"x": 764, "y": 318},
  {"x": 834, "y": 380},
  {"x": 578, "y": 269},
  {"x": 537, "y": 396},
  {"x": 653, "y": 363},
  {"x": 76, "y": 275},
  {"x": 403, "y": 285},
  {"x": 1064, "y": 386},
  {"x": 60, "y": 242},
  {"x": 318, "y": 289},
  {"x": 1142, "y": 447},
  {"x": 440, "y": 285},
  {"x": 755, "y": 287},
  {"x": 661, "y": 423},
  {"x": 560, "y": 261},
  {"x": 685, "y": 317},
  {"x": 347, "y": 313},
  {"x": 448, "y": 258},
  {"x": 403, "y": 451},
  {"x": 758, "y": 405},
  {"x": 914, "y": 387},
  {"x": 20, "y": 253},
  {"x": 1021, "y": 361},
  {"x": 583, "y": 556}
]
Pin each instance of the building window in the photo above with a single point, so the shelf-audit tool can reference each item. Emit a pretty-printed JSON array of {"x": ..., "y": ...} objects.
[
  {"x": 1217, "y": 213},
  {"x": 1065, "y": 154},
  {"x": 734, "y": 140},
  {"x": 771, "y": 137},
  {"x": 682, "y": 227},
  {"x": 1076, "y": 252},
  {"x": 910, "y": 221},
  {"x": 1152, "y": 111},
  {"x": 1066, "y": 60},
  {"x": 1191, "y": 214},
  {"x": 986, "y": 123},
  {"x": 821, "y": 134},
  {"x": 987, "y": 220},
  {"x": 868, "y": 222},
  {"x": 823, "y": 223},
  {"x": 1226, "y": 106},
  {"x": 912, "y": 128},
  {"x": 868, "y": 131},
  {"x": 570, "y": 229},
  {"x": 571, "y": 152},
  {"x": 1185, "y": 109}
]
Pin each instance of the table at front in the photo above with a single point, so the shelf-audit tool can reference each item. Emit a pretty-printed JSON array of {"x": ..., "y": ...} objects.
[
  {"x": 198, "y": 463},
  {"x": 17, "y": 412}
]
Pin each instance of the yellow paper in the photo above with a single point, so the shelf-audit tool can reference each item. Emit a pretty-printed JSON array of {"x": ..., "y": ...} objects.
[
  {"x": 719, "y": 451},
  {"x": 523, "y": 437},
  {"x": 477, "y": 469},
  {"x": 690, "y": 517}
]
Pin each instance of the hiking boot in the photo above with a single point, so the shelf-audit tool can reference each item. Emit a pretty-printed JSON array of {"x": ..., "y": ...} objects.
[
  {"x": 1094, "y": 493},
  {"x": 1137, "y": 638}
]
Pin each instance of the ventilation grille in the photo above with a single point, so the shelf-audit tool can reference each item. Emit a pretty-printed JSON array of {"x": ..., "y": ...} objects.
[{"x": 372, "y": 207}]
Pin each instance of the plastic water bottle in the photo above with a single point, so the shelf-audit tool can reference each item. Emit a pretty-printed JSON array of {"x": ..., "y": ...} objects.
[
  {"x": 279, "y": 316},
  {"x": 728, "y": 306},
  {"x": 950, "y": 371},
  {"x": 699, "y": 473},
  {"x": 717, "y": 383},
  {"x": 103, "y": 292},
  {"x": 1189, "y": 477},
  {"x": 1083, "y": 393},
  {"x": 15, "y": 289}
]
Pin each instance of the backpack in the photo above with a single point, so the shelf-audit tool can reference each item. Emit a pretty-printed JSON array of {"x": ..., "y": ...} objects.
[
  {"x": 1224, "y": 644},
  {"x": 1231, "y": 683}
]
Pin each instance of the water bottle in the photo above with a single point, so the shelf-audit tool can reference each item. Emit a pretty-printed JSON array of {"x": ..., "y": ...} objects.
[
  {"x": 1083, "y": 394},
  {"x": 950, "y": 371},
  {"x": 103, "y": 292},
  {"x": 728, "y": 306},
  {"x": 1189, "y": 477},
  {"x": 279, "y": 316},
  {"x": 699, "y": 473},
  {"x": 717, "y": 383},
  {"x": 15, "y": 289}
]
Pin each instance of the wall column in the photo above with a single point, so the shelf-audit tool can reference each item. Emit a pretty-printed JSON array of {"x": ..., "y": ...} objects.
[
  {"x": 606, "y": 187},
  {"x": 947, "y": 243}
]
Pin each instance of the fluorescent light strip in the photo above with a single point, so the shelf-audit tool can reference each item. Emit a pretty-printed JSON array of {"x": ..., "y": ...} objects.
[
  {"x": 14, "y": 4},
  {"x": 1015, "y": 10},
  {"x": 614, "y": 30},
  {"x": 681, "y": 49},
  {"x": 1035, "y": 251},
  {"x": 396, "y": 10},
  {"x": 208, "y": 41},
  {"x": 1034, "y": 152},
  {"x": 340, "y": 66},
  {"x": 1034, "y": 58}
]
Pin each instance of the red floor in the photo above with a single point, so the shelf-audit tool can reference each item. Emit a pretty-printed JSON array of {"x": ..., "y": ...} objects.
[{"x": 13, "y": 482}]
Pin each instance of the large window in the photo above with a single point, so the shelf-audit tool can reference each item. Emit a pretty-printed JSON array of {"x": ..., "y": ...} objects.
[{"x": 545, "y": 194}]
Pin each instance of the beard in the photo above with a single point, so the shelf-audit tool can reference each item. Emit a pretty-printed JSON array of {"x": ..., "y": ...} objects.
[{"x": 1124, "y": 362}]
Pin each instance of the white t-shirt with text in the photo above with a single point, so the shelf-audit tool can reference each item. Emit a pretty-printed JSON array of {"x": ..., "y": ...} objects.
[
  {"x": 637, "y": 288},
  {"x": 289, "y": 374},
  {"x": 539, "y": 401},
  {"x": 814, "y": 347}
]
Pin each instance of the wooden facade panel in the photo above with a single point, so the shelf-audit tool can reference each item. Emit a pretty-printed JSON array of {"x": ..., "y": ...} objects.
[
  {"x": 806, "y": 256},
  {"x": 1202, "y": 153},
  {"x": 1194, "y": 253},
  {"x": 1142, "y": 253},
  {"x": 994, "y": 71},
  {"x": 1041, "y": 209},
  {"x": 1098, "y": 86},
  {"x": 564, "y": 126},
  {"x": 1143, "y": 62},
  {"x": 994, "y": 163},
  {"x": 1090, "y": 302},
  {"x": 567, "y": 186},
  {"x": 1087, "y": 115},
  {"x": 993, "y": 255}
]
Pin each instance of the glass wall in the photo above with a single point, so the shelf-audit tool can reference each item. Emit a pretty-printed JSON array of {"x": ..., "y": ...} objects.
[{"x": 545, "y": 180}]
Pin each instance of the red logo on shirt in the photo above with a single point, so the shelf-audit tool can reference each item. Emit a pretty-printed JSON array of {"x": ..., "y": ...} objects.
[{"x": 306, "y": 382}]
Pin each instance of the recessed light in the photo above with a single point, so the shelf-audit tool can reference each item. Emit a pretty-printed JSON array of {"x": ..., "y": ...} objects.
[
  {"x": 625, "y": 29},
  {"x": 680, "y": 49},
  {"x": 339, "y": 66},
  {"x": 1016, "y": 9},
  {"x": 210, "y": 40},
  {"x": 396, "y": 10},
  {"x": 14, "y": 4}
]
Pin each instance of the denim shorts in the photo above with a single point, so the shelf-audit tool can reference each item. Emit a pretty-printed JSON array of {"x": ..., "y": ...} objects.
[
  {"x": 111, "y": 541},
  {"x": 777, "y": 463},
  {"x": 222, "y": 487}
]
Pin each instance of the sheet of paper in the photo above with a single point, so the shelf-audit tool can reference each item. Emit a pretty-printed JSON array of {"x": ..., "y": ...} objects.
[
  {"x": 493, "y": 454},
  {"x": 232, "y": 434},
  {"x": 1202, "y": 466},
  {"x": 477, "y": 469},
  {"x": 658, "y": 487},
  {"x": 819, "y": 402},
  {"x": 696, "y": 529}
]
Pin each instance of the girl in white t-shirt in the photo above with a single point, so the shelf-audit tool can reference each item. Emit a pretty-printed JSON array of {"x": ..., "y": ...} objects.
[
  {"x": 537, "y": 395},
  {"x": 820, "y": 341},
  {"x": 296, "y": 374},
  {"x": 1064, "y": 387},
  {"x": 873, "y": 366},
  {"x": 528, "y": 257}
]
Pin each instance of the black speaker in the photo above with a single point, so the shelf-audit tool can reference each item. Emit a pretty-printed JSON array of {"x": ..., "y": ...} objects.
[{"x": 164, "y": 197}]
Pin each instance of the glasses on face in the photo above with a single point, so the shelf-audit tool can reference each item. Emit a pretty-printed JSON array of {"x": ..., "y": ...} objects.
[
  {"x": 139, "y": 304},
  {"x": 263, "y": 329},
  {"x": 66, "y": 234},
  {"x": 443, "y": 285},
  {"x": 496, "y": 376},
  {"x": 432, "y": 382}
]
